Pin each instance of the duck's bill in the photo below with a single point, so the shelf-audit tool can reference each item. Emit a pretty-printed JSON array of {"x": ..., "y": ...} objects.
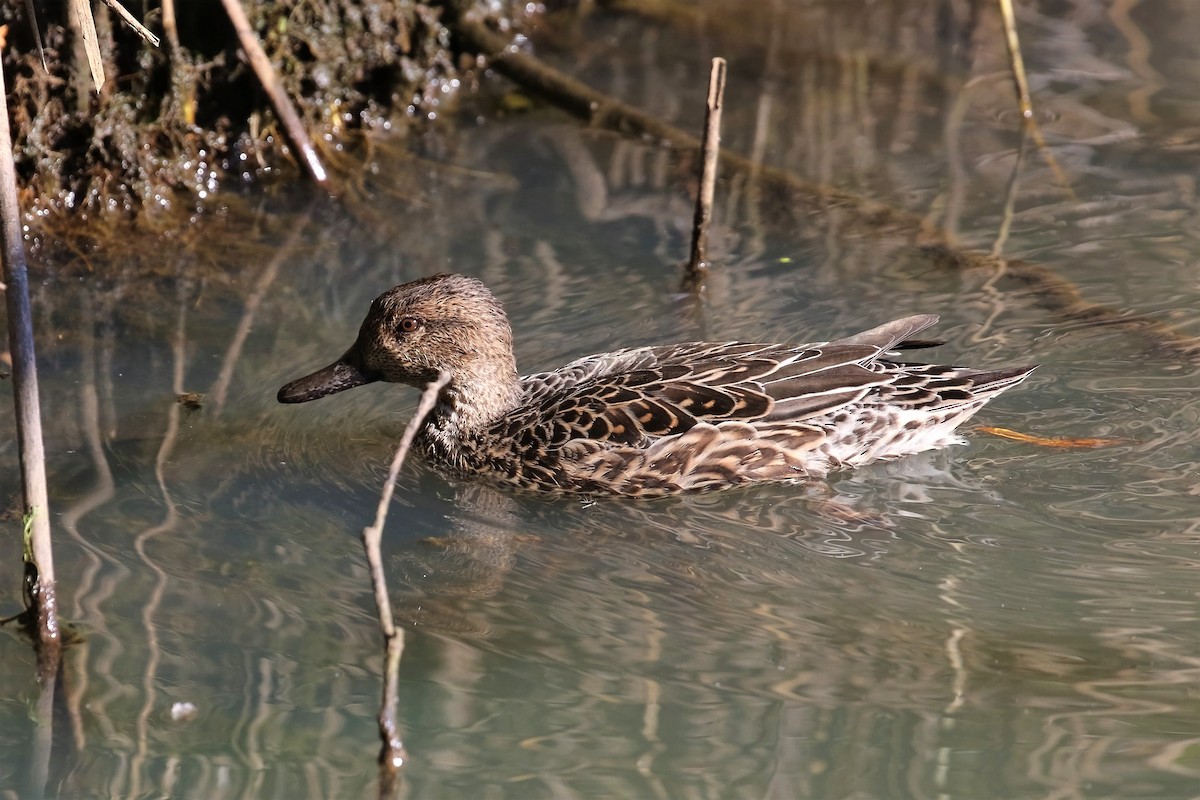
[{"x": 337, "y": 377}]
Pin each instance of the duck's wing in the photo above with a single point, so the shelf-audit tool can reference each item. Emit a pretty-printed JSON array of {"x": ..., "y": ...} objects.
[
  {"x": 895, "y": 335},
  {"x": 632, "y": 398}
]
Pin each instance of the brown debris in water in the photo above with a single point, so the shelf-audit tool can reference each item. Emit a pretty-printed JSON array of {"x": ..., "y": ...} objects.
[{"x": 192, "y": 401}]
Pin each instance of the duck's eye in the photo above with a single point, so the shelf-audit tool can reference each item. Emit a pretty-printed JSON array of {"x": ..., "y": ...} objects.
[{"x": 409, "y": 324}]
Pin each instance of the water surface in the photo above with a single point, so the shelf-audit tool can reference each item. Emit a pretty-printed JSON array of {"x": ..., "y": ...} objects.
[{"x": 991, "y": 621}]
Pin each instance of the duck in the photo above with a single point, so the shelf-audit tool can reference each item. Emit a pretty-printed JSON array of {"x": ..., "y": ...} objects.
[{"x": 652, "y": 421}]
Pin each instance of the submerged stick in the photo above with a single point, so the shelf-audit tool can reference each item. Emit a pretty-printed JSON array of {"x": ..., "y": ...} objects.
[
  {"x": 269, "y": 79},
  {"x": 697, "y": 266},
  {"x": 392, "y": 756},
  {"x": 39, "y": 558}
]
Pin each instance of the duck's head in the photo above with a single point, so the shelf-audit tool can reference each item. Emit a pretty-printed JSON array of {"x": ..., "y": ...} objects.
[{"x": 417, "y": 329}]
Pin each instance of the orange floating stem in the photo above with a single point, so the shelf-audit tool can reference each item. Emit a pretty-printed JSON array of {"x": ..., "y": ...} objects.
[{"x": 1049, "y": 441}]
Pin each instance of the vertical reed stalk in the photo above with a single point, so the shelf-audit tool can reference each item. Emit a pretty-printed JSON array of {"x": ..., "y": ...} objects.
[
  {"x": 710, "y": 150},
  {"x": 39, "y": 560}
]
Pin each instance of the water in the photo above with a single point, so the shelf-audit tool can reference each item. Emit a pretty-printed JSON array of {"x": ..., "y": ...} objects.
[{"x": 995, "y": 621}]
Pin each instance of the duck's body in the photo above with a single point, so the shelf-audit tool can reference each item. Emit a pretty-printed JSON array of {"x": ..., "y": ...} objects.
[{"x": 652, "y": 421}]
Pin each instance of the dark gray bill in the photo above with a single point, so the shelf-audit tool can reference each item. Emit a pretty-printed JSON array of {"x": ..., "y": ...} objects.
[{"x": 337, "y": 377}]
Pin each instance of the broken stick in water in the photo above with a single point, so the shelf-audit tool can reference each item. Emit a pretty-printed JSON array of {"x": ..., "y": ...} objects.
[{"x": 392, "y": 756}]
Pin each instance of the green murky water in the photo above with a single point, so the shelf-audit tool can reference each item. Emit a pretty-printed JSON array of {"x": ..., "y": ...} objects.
[{"x": 996, "y": 621}]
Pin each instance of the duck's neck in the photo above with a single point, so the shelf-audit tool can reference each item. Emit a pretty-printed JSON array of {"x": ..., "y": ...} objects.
[{"x": 472, "y": 402}]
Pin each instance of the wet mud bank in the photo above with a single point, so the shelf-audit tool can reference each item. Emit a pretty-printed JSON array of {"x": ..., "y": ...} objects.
[{"x": 174, "y": 124}]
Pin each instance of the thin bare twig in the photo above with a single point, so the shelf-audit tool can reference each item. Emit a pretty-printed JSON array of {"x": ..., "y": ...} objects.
[
  {"x": 697, "y": 266},
  {"x": 31, "y": 12},
  {"x": 392, "y": 756},
  {"x": 140, "y": 29},
  {"x": 265, "y": 71}
]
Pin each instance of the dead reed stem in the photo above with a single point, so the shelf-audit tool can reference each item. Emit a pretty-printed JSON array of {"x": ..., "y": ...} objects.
[
  {"x": 265, "y": 72},
  {"x": 1016, "y": 60},
  {"x": 91, "y": 43},
  {"x": 170, "y": 24},
  {"x": 39, "y": 557},
  {"x": 1024, "y": 101},
  {"x": 697, "y": 266},
  {"x": 38, "y": 41}
]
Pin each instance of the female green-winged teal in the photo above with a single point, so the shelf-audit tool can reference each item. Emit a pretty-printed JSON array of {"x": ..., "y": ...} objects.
[{"x": 652, "y": 421}]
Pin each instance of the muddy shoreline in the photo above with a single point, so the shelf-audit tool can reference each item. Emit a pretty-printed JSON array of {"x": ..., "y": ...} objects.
[{"x": 177, "y": 123}]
